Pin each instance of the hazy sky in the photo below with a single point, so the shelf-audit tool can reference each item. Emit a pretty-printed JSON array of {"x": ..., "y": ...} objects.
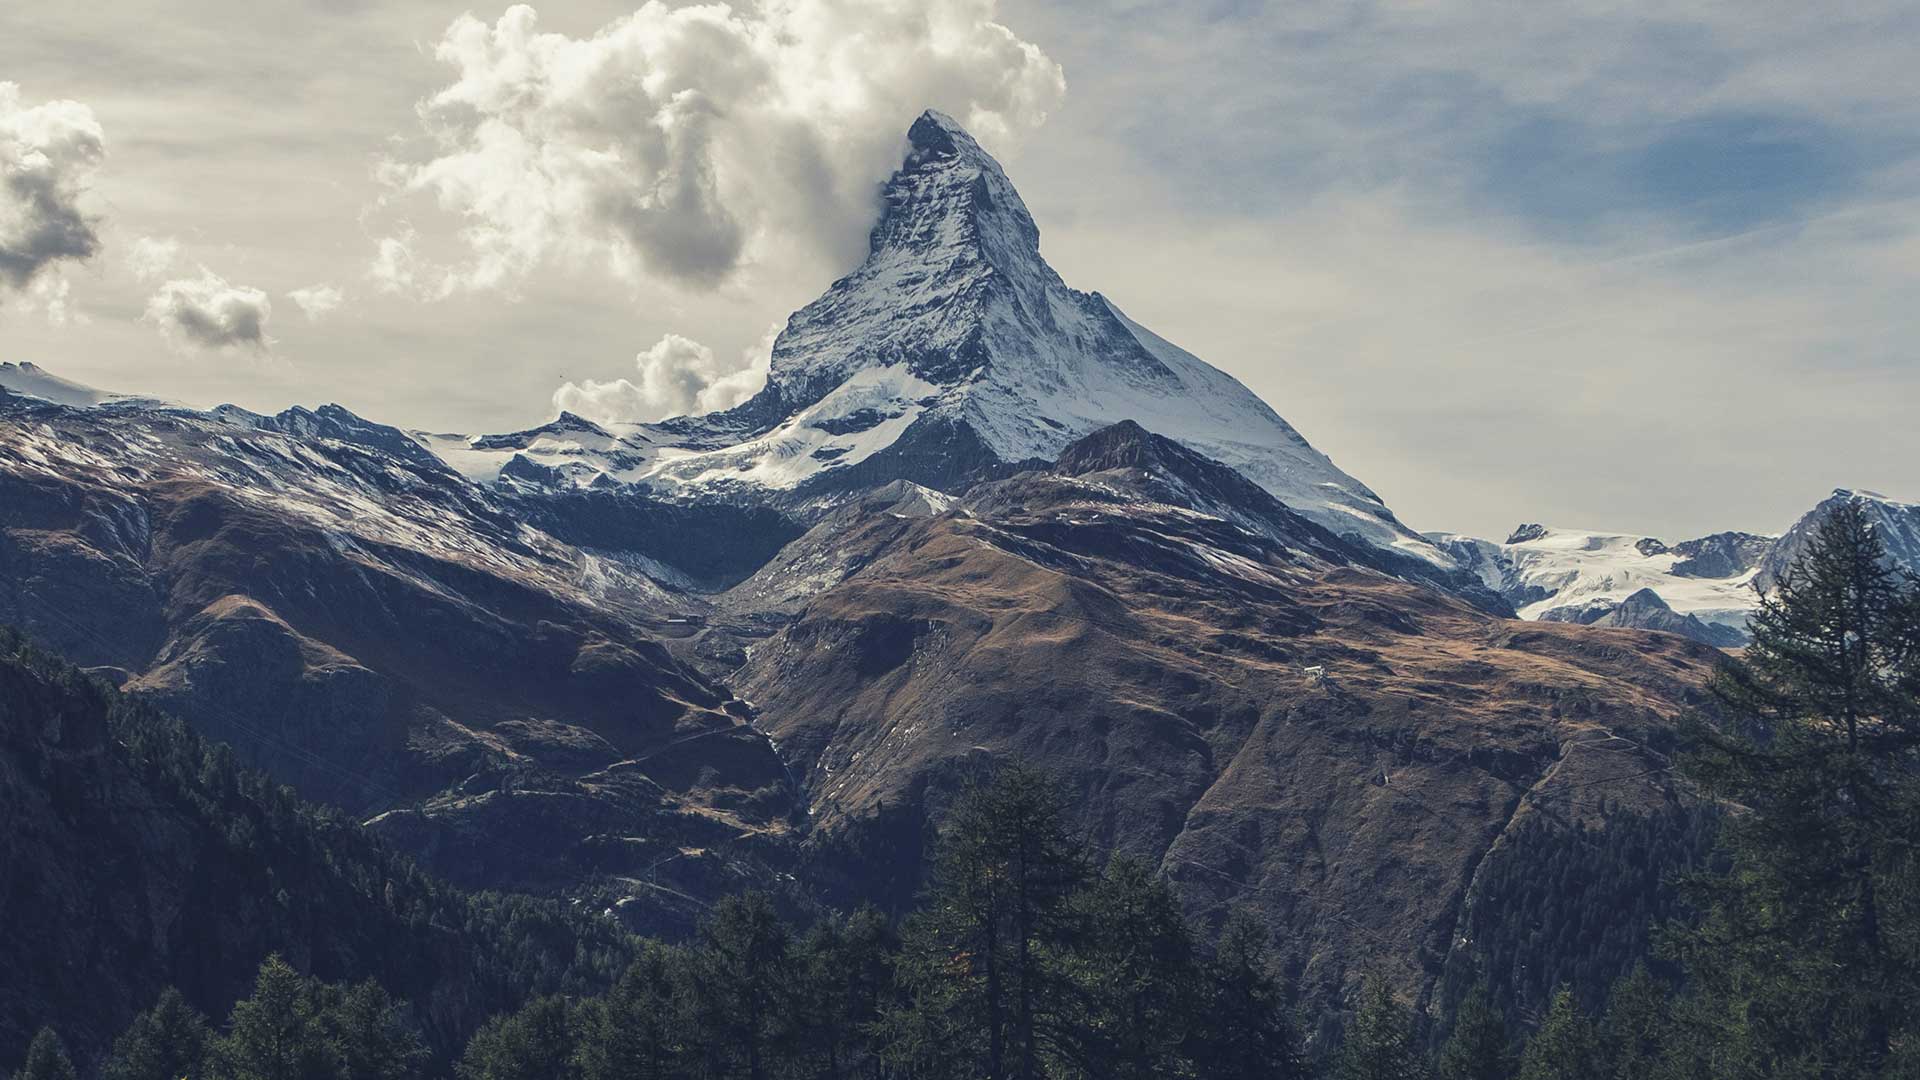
[{"x": 1646, "y": 267}]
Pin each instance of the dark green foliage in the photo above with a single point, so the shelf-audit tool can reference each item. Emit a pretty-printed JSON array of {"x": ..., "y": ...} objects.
[
  {"x": 532, "y": 1044},
  {"x": 1637, "y": 1029},
  {"x": 1478, "y": 1048},
  {"x": 1134, "y": 979},
  {"x": 1566, "y": 1046},
  {"x": 1243, "y": 1031},
  {"x": 278, "y": 1032},
  {"x": 845, "y": 978},
  {"x": 266, "y": 873},
  {"x": 167, "y": 1042},
  {"x": 46, "y": 1059},
  {"x": 738, "y": 980},
  {"x": 1380, "y": 1043},
  {"x": 1566, "y": 905},
  {"x": 632, "y": 1033},
  {"x": 1809, "y": 954},
  {"x": 376, "y": 1040},
  {"x": 977, "y": 962}
]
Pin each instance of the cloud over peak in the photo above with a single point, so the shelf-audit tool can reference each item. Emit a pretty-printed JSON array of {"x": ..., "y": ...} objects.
[
  {"x": 209, "y": 313},
  {"x": 678, "y": 377},
  {"x": 681, "y": 143},
  {"x": 48, "y": 155}
]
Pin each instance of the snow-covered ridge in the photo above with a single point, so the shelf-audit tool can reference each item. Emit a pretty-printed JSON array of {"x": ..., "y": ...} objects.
[
  {"x": 1569, "y": 574},
  {"x": 33, "y": 380},
  {"x": 1581, "y": 576}
]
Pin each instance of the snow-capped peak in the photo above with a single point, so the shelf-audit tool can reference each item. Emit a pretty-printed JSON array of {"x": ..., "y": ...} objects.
[
  {"x": 33, "y": 380},
  {"x": 952, "y": 349}
]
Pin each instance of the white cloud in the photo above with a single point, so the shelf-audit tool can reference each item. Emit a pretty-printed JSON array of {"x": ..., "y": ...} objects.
[
  {"x": 48, "y": 156},
  {"x": 682, "y": 143},
  {"x": 151, "y": 257},
  {"x": 210, "y": 313},
  {"x": 317, "y": 301},
  {"x": 678, "y": 376}
]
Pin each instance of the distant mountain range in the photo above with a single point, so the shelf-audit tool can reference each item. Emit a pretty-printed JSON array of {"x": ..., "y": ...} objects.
[
  {"x": 974, "y": 516},
  {"x": 1703, "y": 588}
]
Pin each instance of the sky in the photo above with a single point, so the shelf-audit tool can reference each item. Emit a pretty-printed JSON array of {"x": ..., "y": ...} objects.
[{"x": 1650, "y": 268}]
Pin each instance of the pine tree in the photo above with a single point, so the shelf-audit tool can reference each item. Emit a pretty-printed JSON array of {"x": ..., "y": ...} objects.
[
  {"x": 1134, "y": 975},
  {"x": 978, "y": 962},
  {"x": 844, "y": 972},
  {"x": 740, "y": 982},
  {"x": 631, "y": 1033},
  {"x": 46, "y": 1059},
  {"x": 1565, "y": 1047},
  {"x": 1819, "y": 741},
  {"x": 167, "y": 1042},
  {"x": 1242, "y": 1032},
  {"x": 532, "y": 1044},
  {"x": 1380, "y": 1043},
  {"x": 1478, "y": 1047},
  {"x": 1636, "y": 1030},
  {"x": 375, "y": 1039},
  {"x": 276, "y": 1034}
]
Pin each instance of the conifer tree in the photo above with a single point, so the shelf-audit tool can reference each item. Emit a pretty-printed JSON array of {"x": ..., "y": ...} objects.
[
  {"x": 1565, "y": 1047},
  {"x": 376, "y": 1040},
  {"x": 277, "y": 1033},
  {"x": 532, "y": 1044},
  {"x": 1242, "y": 1031},
  {"x": 980, "y": 960},
  {"x": 46, "y": 1059},
  {"x": 740, "y": 983},
  {"x": 632, "y": 1033},
  {"x": 1380, "y": 1043},
  {"x": 1818, "y": 740},
  {"x": 845, "y": 972},
  {"x": 1135, "y": 979},
  {"x": 167, "y": 1042},
  {"x": 1636, "y": 1031},
  {"x": 1478, "y": 1048}
]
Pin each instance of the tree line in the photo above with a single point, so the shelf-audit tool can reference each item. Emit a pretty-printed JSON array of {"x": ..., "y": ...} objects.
[{"x": 1797, "y": 953}]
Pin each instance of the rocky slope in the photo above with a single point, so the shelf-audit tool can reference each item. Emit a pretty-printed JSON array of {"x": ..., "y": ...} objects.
[
  {"x": 328, "y": 597},
  {"x": 1897, "y": 523},
  {"x": 1272, "y": 722}
]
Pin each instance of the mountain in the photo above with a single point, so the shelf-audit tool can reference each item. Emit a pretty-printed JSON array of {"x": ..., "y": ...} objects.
[
  {"x": 1645, "y": 610},
  {"x": 1571, "y": 575},
  {"x": 1703, "y": 588},
  {"x": 360, "y": 621},
  {"x": 1243, "y": 703},
  {"x": 137, "y": 856},
  {"x": 974, "y": 516},
  {"x": 1896, "y": 523},
  {"x": 35, "y": 381},
  {"x": 953, "y": 351}
]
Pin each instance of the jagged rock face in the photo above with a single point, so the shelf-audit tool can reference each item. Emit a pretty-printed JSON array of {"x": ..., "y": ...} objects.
[
  {"x": 1722, "y": 555},
  {"x": 354, "y": 617},
  {"x": 953, "y": 353},
  {"x": 1645, "y": 610},
  {"x": 1272, "y": 722},
  {"x": 1896, "y": 523}
]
